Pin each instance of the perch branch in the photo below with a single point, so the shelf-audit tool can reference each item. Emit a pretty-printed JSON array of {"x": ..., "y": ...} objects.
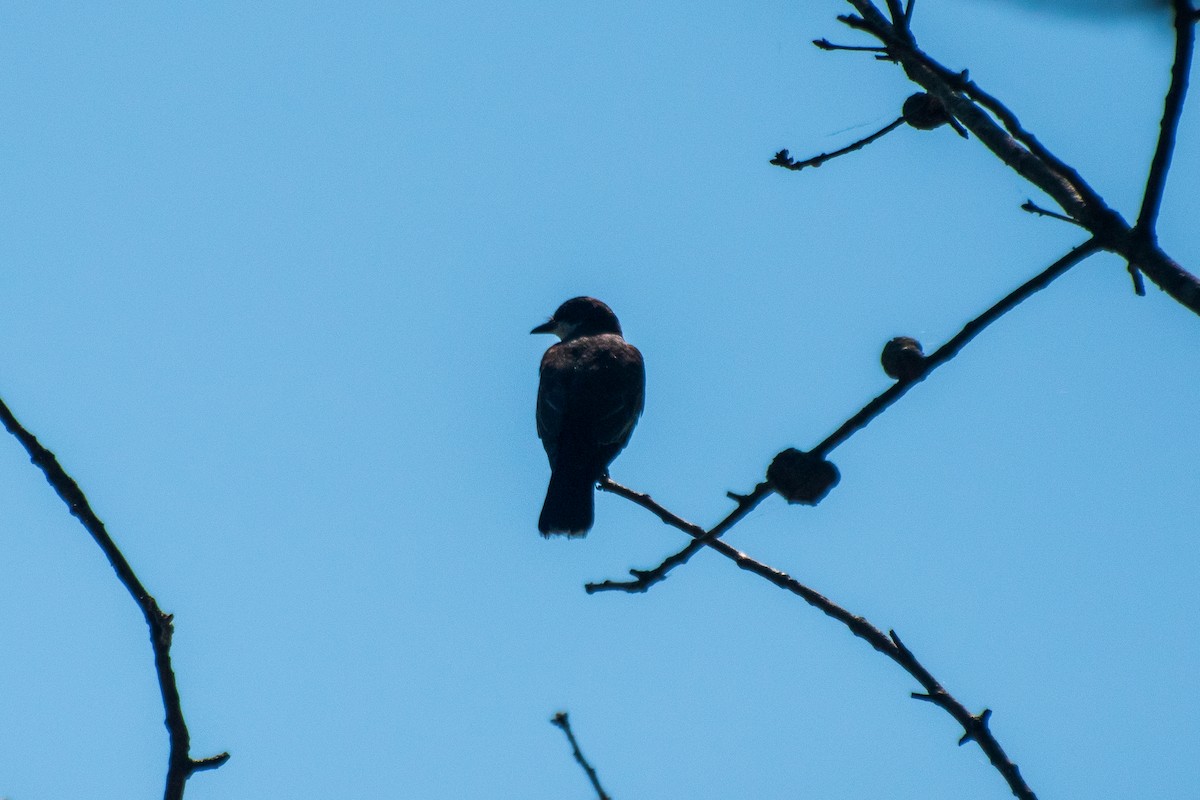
[{"x": 643, "y": 579}]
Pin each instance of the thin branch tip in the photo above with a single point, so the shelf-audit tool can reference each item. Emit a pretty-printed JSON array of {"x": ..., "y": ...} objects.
[
  {"x": 563, "y": 722},
  {"x": 784, "y": 159}
]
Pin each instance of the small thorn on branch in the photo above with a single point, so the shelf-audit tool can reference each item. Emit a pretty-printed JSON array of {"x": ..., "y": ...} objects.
[
  {"x": 212, "y": 762},
  {"x": 895, "y": 637},
  {"x": 1139, "y": 283},
  {"x": 978, "y": 724}
]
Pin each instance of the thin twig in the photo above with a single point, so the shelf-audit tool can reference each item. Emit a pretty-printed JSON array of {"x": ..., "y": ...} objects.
[
  {"x": 180, "y": 764},
  {"x": 560, "y": 720},
  {"x": 782, "y": 159},
  {"x": 644, "y": 579},
  {"x": 974, "y": 726}
]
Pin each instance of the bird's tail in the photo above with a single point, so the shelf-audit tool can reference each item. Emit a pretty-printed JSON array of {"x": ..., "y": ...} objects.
[{"x": 570, "y": 504}]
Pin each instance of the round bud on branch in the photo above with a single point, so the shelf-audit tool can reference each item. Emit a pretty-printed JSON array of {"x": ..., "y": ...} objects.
[
  {"x": 903, "y": 359},
  {"x": 801, "y": 477},
  {"x": 924, "y": 112}
]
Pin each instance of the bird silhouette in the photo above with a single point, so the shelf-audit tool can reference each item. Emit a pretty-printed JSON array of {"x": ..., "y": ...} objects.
[{"x": 591, "y": 393}]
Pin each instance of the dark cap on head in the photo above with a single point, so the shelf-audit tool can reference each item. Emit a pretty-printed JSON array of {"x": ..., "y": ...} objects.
[{"x": 581, "y": 316}]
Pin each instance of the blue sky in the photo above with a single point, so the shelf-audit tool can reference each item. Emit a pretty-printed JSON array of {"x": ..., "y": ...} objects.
[{"x": 269, "y": 280}]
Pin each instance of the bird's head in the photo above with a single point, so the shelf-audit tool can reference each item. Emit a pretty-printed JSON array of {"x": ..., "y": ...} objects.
[{"x": 580, "y": 316}]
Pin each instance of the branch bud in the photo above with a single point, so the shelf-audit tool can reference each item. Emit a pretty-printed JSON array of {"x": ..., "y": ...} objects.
[
  {"x": 801, "y": 477},
  {"x": 924, "y": 112},
  {"x": 903, "y": 359}
]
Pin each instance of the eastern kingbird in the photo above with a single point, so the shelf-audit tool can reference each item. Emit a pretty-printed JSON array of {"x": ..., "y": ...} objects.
[{"x": 592, "y": 391}]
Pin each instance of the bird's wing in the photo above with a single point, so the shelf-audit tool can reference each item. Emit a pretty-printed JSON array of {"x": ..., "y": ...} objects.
[
  {"x": 557, "y": 375},
  {"x": 620, "y": 395},
  {"x": 591, "y": 394}
]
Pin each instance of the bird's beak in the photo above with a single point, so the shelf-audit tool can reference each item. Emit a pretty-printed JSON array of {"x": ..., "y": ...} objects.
[{"x": 549, "y": 326}]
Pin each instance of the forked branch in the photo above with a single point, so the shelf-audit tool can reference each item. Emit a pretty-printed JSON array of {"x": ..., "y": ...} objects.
[{"x": 994, "y": 124}]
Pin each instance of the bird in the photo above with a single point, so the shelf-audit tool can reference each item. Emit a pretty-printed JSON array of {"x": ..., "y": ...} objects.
[{"x": 591, "y": 393}]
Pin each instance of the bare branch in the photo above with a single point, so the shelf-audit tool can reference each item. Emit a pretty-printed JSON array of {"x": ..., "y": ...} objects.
[
  {"x": 560, "y": 720},
  {"x": 956, "y": 343},
  {"x": 1020, "y": 150},
  {"x": 180, "y": 764},
  {"x": 1185, "y": 35}
]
